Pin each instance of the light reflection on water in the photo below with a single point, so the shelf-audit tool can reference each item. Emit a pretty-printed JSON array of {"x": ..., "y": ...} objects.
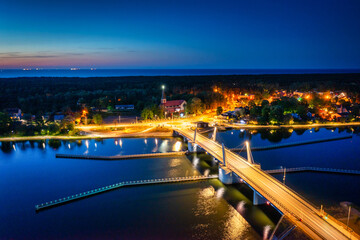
[{"x": 195, "y": 211}]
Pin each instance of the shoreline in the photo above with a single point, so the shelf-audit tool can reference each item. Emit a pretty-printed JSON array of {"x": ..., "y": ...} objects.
[
  {"x": 315, "y": 125},
  {"x": 129, "y": 135},
  {"x": 170, "y": 132}
]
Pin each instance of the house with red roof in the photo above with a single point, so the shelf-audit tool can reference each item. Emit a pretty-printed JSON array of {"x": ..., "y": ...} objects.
[{"x": 173, "y": 106}]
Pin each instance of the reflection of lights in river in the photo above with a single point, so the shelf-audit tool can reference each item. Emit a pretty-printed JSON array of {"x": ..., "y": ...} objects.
[
  {"x": 116, "y": 142},
  {"x": 120, "y": 143},
  {"x": 232, "y": 133},
  {"x": 242, "y": 130},
  {"x": 241, "y": 207},
  {"x": 43, "y": 145},
  {"x": 195, "y": 161},
  {"x": 87, "y": 143},
  {"x": 145, "y": 141},
  {"x": 207, "y": 192},
  {"x": 69, "y": 145},
  {"x": 156, "y": 141},
  {"x": 220, "y": 193},
  {"x": 267, "y": 229},
  {"x": 177, "y": 146},
  {"x": 14, "y": 147},
  {"x": 96, "y": 145}
]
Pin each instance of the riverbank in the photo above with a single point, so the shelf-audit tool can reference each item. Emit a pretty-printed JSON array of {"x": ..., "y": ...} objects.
[
  {"x": 314, "y": 125},
  {"x": 150, "y": 130},
  {"x": 94, "y": 135}
]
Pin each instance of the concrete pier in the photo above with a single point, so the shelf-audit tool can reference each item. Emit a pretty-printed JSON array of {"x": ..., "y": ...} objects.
[
  {"x": 123, "y": 157},
  {"x": 96, "y": 191},
  {"x": 275, "y": 146},
  {"x": 314, "y": 169}
]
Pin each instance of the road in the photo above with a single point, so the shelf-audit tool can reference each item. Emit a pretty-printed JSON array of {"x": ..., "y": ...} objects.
[{"x": 301, "y": 212}]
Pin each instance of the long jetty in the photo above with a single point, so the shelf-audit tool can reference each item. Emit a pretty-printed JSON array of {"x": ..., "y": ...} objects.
[
  {"x": 293, "y": 144},
  {"x": 96, "y": 191},
  {"x": 314, "y": 169},
  {"x": 122, "y": 157}
]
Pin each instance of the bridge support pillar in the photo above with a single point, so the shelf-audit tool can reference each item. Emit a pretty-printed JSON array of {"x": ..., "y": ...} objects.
[
  {"x": 192, "y": 147},
  {"x": 226, "y": 176},
  {"x": 258, "y": 199}
]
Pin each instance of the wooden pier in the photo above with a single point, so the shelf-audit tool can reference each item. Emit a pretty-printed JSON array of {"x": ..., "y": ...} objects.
[
  {"x": 313, "y": 169},
  {"x": 293, "y": 144},
  {"x": 122, "y": 157},
  {"x": 96, "y": 191}
]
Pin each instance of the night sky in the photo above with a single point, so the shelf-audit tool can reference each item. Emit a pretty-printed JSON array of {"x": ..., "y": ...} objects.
[{"x": 246, "y": 34}]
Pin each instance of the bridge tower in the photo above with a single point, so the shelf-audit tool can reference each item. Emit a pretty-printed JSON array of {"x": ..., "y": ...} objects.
[
  {"x": 250, "y": 158},
  {"x": 195, "y": 135},
  {"x": 214, "y": 134},
  {"x": 223, "y": 152},
  {"x": 192, "y": 146}
]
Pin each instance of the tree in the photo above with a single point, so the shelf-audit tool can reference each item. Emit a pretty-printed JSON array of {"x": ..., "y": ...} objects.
[
  {"x": 195, "y": 106},
  {"x": 301, "y": 111},
  {"x": 264, "y": 103},
  {"x": 219, "y": 110},
  {"x": 157, "y": 111},
  {"x": 276, "y": 114},
  {"x": 265, "y": 113},
  {"x": 147, "y": 113},
  {"x": 5, "y": 121},
  {"x": 97, "y": 118}
]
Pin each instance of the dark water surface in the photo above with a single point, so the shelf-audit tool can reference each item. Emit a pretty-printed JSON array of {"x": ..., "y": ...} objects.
[
  {"x": 10, "y": 73},
  {"x": 30, "y": 174}
]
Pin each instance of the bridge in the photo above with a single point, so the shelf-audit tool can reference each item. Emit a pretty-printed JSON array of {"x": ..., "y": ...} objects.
[
  {"x": 111, "y": 187},
  {"x": 267, "y": 188},
  {"x": 122, "y": 157}
]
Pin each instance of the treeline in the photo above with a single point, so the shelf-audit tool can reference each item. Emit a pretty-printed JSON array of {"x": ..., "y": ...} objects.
[
  {"x": 42, "y": 95},
  {"x": 38, "y": 127}
]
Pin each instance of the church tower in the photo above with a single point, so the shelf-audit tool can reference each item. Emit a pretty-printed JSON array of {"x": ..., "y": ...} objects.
[{"x": 163, "y": 99}]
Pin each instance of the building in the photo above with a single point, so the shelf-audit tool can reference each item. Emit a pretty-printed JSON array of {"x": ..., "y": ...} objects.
[
  {"x": 124, "y": 107},
  {"x": 201, "y": 124},
  {"x": 171, "y": 107},
  {"x": 14, "y": 113},
  {"x": 58, "y": 117}
]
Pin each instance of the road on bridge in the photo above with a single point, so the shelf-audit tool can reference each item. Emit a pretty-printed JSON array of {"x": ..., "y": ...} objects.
[{"x": 301, "y": 212}]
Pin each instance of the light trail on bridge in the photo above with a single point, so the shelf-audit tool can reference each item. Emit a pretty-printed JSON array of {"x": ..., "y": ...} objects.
[{"x": 296, "y": 208}]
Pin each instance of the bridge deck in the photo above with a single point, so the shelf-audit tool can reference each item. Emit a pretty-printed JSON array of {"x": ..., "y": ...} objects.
[
  {"x": 314, "y": 169},
  {"x": 295, "y": 207},
  {"x": 122, "y": 157},
  {"x": 96, "y": 191}
]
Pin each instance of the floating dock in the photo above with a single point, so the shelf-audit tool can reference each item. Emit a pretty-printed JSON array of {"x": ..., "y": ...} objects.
[
  {"x": 293, "y": 144},
  {"x": 96, "y": 191},
  {"x": 122, "y": 157},
  {"x": 313, "y": 169}
]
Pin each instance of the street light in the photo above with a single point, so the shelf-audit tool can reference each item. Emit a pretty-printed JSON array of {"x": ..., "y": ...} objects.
[{"x": 163, "y": 86}]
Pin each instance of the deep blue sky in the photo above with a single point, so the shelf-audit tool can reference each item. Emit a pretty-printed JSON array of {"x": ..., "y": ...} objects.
[{"x": 180, "y": 34}]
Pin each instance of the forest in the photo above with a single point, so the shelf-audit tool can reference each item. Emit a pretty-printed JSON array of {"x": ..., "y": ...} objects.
[{"x": 46, "y": 95}]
